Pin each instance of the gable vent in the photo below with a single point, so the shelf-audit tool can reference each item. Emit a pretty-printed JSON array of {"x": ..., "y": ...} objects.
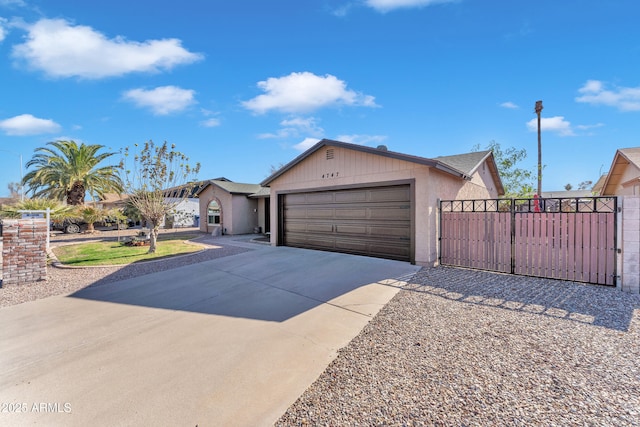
[{"x": 330, "y": 153}]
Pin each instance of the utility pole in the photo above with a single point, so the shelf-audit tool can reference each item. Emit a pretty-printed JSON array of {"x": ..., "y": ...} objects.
[{"x": 538, "y": 111}]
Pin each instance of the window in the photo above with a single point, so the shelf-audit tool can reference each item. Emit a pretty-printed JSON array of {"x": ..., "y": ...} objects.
[{"x": 213, "y": 213}]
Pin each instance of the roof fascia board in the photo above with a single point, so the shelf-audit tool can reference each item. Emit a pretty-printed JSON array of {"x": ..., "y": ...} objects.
[{"x": 391, "y": 154}]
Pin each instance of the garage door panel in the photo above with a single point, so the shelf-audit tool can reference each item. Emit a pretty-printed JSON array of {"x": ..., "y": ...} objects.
[
  {"x": 370, "y": 221},
  {"x": 311, "y": 242},
  {"x": 351, "y": 196},
  {"x": 352, "y": 229},
  {"x": 391, "y": 252},
  {"x": 347, "y": 213},
  {"x": 395, "y": 194},
  {"x": 310, "y": 227},
  {"x": 395, "y": 214},
  {"x": 319, "y": 213},
  {"x": 319, "y": 198},
  {"x": 296, "y": 199},
  {"x": 402, "y": 233}
]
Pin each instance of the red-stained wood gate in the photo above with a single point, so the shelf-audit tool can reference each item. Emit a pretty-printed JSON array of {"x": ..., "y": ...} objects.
[{"x": 568, "y": 239}]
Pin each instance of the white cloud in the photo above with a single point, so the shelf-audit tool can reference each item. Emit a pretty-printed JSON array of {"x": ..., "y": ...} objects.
[
  {"x": 210, "y": 123},
  {"x": 510, "y": 105},
  {"x": 3, "y": 28},
  {"x": 588, "y": 127},
  {"x": 11, "y": 3},
  {"x": 295, "y": 126},
  {"x": 305, "y": 92},
  {"x": 623, "y": 98},
  {"x": 387, "y": 5},
  {"x": 555, "y": 124},
  {"x": 306, "y": 144},
  {"x": 61, "y": 49},
  {"x": 26, "y": 124},
  {"x": 162, "y": 100},
  {"x": 362, "y": 139}
]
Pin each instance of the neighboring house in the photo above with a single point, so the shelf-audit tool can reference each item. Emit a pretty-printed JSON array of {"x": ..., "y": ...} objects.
[
  {"x": 112, "y": 201},
  {"x": 596, "y": 190},
  {"x": 567, "y": 194},
  {"x": 7, "y": 201},
  {"x": 370, "y": 201},
  {"x": 186, "y": 212},
  {"x": 623, "y": 178},
  {"x": 233, "y": 208}
]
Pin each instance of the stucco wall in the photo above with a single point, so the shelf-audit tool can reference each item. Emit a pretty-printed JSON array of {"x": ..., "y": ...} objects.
[
  {"x": 245, "y": 215},
  {"x": 226, "y": 209},
  {"x": 351, "y": 167},
  {"x": 238, "y": 213},
  {"x": 631, "y": 172}
]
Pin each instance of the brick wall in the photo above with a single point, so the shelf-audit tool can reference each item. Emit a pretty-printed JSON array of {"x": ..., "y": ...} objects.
[
  {"x": 24, "y": 251},
  {"x": 630, "y": 244}
]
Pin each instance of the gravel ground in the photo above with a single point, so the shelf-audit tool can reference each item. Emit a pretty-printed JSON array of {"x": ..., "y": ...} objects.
[
  {"x": 64, "y": 281},
  {"x": 458, "y": 347}
]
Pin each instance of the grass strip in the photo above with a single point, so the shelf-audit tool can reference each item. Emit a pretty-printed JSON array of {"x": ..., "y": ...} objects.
[{"x": 114, "y": 253}]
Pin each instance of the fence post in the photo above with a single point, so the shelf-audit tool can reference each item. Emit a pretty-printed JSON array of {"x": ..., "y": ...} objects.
[{"x": 513, "y": 235}]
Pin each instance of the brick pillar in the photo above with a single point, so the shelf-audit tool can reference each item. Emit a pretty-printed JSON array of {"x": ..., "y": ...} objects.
[{"x": 24, "y": 251}]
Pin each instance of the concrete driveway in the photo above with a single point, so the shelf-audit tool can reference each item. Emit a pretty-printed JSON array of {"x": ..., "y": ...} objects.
[{"x": 232, "y": 341}]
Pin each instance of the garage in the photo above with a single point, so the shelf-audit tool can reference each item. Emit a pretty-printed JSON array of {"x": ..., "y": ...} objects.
[
  {"x": 344, "y": 197},
  {"x": 371, "y": 221}
]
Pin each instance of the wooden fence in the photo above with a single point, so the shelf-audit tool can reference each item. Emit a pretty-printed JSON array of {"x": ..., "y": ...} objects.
[{"x": 569, "y": 239}]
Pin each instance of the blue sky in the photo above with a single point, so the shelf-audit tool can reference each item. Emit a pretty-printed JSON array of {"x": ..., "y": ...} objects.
[{"x": 242, "y": 86}]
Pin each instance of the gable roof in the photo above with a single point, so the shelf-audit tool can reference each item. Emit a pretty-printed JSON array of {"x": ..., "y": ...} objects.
[
  {"x": 599, "y": 185},
  {"x": 470, "y": 162},
  {"x": 377, "y": 151},
  {"x": 232, "y": 187},
  {"x": 623, "y": 158},
  {"x": 462, "y": 165}
]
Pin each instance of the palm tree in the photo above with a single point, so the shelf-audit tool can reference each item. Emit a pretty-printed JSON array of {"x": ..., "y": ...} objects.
[
  {"x": 65, "y": 170},
  {"x": 91, "y": 214}
]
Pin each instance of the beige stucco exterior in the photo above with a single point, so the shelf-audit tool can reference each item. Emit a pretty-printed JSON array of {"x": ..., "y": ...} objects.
[
  {"x": 347, "y": 167},
  {"x": 238, "y": 213}
]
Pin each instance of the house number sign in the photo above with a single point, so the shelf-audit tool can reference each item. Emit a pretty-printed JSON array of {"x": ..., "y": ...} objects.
[{"x": 330, "y": 175}]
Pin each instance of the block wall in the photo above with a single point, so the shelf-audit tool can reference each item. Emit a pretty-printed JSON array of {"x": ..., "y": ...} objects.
[
  {"x": 629, "y": 243},
  {"x": 24, "y": 251}
]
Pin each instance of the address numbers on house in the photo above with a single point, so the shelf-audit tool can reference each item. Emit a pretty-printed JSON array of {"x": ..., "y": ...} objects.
[{"x": 330, "y": 175}]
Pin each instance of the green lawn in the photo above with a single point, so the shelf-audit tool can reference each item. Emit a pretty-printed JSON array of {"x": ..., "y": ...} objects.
[{"x": 114, "y": 253}]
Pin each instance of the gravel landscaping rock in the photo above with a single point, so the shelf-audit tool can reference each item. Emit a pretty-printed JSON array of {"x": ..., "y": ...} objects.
[{"x": 457, "y": 347}]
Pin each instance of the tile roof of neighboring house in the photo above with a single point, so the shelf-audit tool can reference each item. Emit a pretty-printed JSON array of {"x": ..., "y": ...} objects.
[
  {"x": 112, "y": 198},
  {"x": 448, "y": 164},
  {"x": 622, "y": 158}
]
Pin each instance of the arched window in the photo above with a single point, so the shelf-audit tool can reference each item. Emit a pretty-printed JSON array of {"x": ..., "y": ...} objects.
[{"x": 213, "y": 213}]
